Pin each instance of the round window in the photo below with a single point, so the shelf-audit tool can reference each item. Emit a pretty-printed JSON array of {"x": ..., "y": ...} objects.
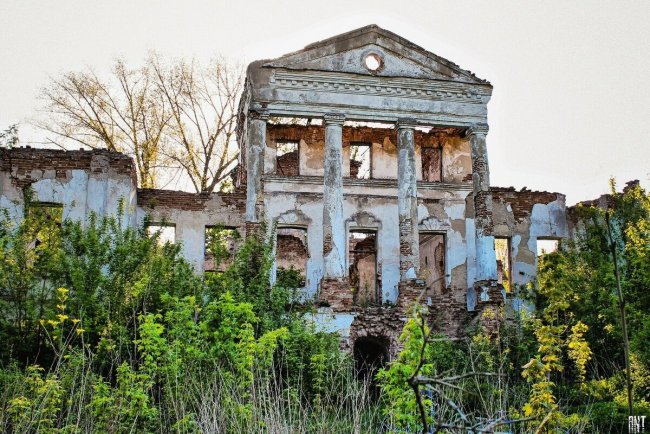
[{"x": 374, "y": 62}]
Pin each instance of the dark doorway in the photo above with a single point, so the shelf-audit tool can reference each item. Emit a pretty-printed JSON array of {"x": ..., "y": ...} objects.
[
  {"x": 362, "y": 247},
  {"x": 432, "y": 263},
  {"x": 370, "y": 355}
]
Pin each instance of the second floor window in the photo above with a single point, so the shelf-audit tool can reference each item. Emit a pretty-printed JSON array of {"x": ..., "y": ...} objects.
[
  {"x": 502, "y": 250},
  {"x": 432, "y": 164},
  {"x": 287, "y": 161},
  {"x": 360, "y": 162}
]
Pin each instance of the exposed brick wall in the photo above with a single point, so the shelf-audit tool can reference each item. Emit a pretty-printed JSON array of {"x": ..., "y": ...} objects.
[
  {"x": 363, "y": 246},
  {"x": 288, "y": 164},
  {"x": 448, "y": 314},
  {"x": 381, "y": 322},
  {"x": 483, "y": 211},
  {"x": 327, "y": 244},
  {"x": 253, "y": 229},
  {"x": 336, "y": 293},
  {"x": 405, "y": 247},
  {"x": 291, "y": 251},
  {"x": 22, "y": 162},
  {"x": 522, "y": 201},
  {"x": 186, "y": 201},
  {"x": 409, "y": 292},
  {"x": 316, "y": 133},
  {"x": 362, "y": 271},
  {"x": 490, "y": 313}
]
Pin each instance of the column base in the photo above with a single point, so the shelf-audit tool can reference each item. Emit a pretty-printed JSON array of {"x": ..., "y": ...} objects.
[{"x": 336, "y": 293}]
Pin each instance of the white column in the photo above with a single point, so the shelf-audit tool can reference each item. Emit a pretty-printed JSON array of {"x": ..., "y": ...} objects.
[
  {"x": 486, "y": 263},
  {"x": 334, "y": 236},
  {"x": 407, "y": 204},
  {"x": 255, "y": 161}
]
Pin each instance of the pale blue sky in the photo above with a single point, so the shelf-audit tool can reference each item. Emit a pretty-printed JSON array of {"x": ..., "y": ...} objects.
[{"x": 571, "y": 101}]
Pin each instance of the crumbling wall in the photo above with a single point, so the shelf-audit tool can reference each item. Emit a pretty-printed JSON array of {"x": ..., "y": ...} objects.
[
  {"x": 322, "y": 86},
  {"x": 85, "y": 181},
  {"x": 525, "y": 216},
  {"x": 288, "y": 164},
  {"x": 606, "y": 201},
  {"x": 375, "y": 208},
  {"x": 291, "y": 250},
  {"x": 191, "y": 213},
  {"x": 431, "y": 164},
  {"x": 455, "y": 154},
  {"x": 97, "y": 181}
]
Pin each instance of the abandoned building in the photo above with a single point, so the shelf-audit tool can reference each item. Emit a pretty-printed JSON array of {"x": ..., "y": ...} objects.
[{"x": 366, "y": 157}]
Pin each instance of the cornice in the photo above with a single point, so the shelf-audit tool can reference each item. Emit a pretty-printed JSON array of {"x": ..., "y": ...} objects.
[
  {"x": 383, "y": 86},
  {"x": 389, "y": 183},
  {"x": 362, "y": 113}
]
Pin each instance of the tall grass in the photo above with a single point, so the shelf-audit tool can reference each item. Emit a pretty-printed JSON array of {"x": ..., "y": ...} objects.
[{"x": 71, "y": 397}]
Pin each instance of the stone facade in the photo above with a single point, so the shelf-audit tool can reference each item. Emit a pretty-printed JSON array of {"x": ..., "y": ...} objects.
[{"x": 421, "y": 122}]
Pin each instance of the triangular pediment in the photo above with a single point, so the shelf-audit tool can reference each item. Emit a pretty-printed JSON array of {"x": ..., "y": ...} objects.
[{"x": 347, "y": 53}]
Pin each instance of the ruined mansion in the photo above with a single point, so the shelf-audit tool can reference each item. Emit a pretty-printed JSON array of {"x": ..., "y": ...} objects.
[{"x": 364, "y": 157}]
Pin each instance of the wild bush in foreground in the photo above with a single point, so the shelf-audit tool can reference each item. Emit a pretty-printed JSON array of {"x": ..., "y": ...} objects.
[
  {"x": 109, "y": 331},
  {"x": 106, "y": 330}
]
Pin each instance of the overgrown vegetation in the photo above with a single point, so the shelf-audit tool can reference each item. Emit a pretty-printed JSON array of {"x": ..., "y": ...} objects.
[
  {"x": 560, "y": 369},
  {"x": 106, "y": 330}
]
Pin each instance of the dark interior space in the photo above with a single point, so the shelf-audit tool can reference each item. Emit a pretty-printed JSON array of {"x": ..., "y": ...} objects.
[{"x": 370, "y": 355}]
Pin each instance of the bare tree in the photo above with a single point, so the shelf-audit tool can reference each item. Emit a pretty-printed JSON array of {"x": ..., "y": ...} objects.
[
  {"x": 203, "y": 104},
  {"x": 174, "y": 118},
  {"x": 124, "y": 113}
]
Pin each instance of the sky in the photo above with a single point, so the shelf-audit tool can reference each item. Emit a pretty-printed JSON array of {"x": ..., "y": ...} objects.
[{"x": 571, "y": 100}]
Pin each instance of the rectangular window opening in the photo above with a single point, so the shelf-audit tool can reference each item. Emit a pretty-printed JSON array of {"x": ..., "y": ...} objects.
[
  {"x": 166, "y": 232},
  {"x": 49, "y": 211},
  {"x": 360, "y": 162},
  {"x": 287, "y": 160},
  {"x": 546, "y": 246},
  {"x": 46, "y": 219},
  {"x": 432, "y": 164},
  {"x": 221, "y": 245},
  {"x": 291, "y": 257},
  {"x": 504, "y": 262},
  {"x": 432, "y": 262},
  {"x": 363, "y": 267}
]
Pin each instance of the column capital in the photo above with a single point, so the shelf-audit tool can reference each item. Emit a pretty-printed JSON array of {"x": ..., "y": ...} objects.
[
  {"x": 477, "y": 129},
  {"x": 260, "y": 114},
  {"x": 334, "y": 118},
  {"x": 406, "y": 123}
]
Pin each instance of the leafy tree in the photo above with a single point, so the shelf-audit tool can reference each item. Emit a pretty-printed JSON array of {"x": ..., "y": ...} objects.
[
  {"x": 107, "y": 330},
  {"x": 578, "y": 296}
]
